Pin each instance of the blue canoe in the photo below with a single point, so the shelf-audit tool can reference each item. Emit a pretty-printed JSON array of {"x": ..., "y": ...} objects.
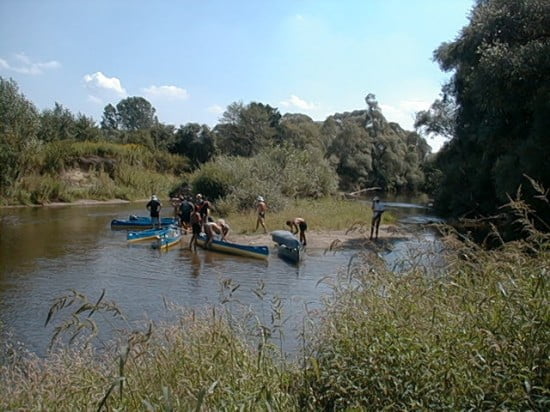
[
  {"x": 146, "y": 234},
  {"x": 140, "y": 222},
  {"x": 257, "y": 252},
  {"x": 288, "y": 246},
  {"x": 170, "y": 238}
]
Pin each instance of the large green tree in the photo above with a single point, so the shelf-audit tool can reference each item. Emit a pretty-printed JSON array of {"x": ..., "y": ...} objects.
[
  {"x": 501, "y": 84},
  {"x": 300, "y": 131},
  {"x": 196, "y": 142},
  {"x": 57, "y": 124},
  {"x": 135, "y": 113},
  {"x": 246, "y": 130},
  {"x": 19, "y": 125}
]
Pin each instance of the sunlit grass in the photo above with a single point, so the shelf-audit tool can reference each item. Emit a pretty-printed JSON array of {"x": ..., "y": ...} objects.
[{"x": 320, "y": 214}]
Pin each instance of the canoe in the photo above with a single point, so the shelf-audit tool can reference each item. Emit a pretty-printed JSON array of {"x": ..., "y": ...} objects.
[
  {"x": 256, "y": 252},
  {"x": 291, "y": 254},
  {"x": 172, "y": 237},
  {"x": 146, "y": 234},
  {"x": 284, "y": 237},
  {"x": 288, "y": 246},
  {"x": 140, "y": 222}
]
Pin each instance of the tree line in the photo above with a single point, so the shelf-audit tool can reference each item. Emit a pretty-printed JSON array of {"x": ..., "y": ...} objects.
[
  {"x": 494, "y": 110},
  {"x": 388, "y": 157}
]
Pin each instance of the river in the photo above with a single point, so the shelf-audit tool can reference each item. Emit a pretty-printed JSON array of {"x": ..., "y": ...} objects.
[{"x": 47, "y": 251}]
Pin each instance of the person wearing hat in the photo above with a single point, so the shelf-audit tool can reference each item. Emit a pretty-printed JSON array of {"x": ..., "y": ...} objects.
[
  {"x": 261, "y": 208},
  {"x": 204, "y": 207},
  {"x": 154, "y": 206},
  {"x": 377, "y": 210}
]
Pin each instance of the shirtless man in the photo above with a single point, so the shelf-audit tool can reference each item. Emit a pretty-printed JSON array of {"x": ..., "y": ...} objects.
[
  {"x": 298, "y": 225},
  {"x": 261, "y": 208},
  {"x": 196, "y": 228},
  {"x": 215, "y": 228}
]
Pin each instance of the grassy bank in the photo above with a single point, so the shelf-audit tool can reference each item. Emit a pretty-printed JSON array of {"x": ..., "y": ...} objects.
[
  {"x": 70, "y": 171},
  {"x": 475, "y": 337},
  {"x": 321, "y": 214}
]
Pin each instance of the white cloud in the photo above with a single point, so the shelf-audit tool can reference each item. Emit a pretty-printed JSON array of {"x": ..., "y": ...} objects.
[
  {"x": 95, "y": 100},
  {"x": 166, "y": 92},
  {"x": 296, "y": 102},
  {"x": 98, "y": 81},
  {"x": 25, "y": 65},
  {"x": 404, "y": 113},
  {"x": 216, "y": 109}
]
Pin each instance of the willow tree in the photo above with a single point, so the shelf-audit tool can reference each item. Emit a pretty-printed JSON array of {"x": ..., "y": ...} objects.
[{"x": 501, "y": 85}]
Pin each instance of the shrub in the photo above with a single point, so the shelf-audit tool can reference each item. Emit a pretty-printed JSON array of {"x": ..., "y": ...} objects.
[{"x": 275, "y": 174}]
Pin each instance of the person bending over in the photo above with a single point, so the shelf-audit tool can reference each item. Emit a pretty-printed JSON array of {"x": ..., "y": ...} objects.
[
  {"x": 215, "y": 228},
  {"x": 298, "y": 225}
]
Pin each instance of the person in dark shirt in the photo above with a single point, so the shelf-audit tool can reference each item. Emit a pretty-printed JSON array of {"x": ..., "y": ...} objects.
[
  {"x": 204, "y": 207},
  {"x": 154, "y": 206},
  {"x": 185, "y": 209}
]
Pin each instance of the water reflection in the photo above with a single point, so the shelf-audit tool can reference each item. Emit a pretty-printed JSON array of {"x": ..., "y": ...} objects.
[{"x": 44, "y": 252}]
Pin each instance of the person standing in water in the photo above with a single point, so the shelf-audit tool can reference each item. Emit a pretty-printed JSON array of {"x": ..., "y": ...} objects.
[
  {"x": 154, "y": 206},
  {"x": 196, "y": 228},
  {"x": 261, "y": 208},
  {"x": 377, "y": 210}
]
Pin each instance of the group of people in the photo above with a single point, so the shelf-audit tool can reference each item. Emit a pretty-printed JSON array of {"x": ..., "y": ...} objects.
[{"x": 195, "y": 217}]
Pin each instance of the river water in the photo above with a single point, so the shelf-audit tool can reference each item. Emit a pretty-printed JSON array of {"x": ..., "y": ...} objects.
[{"x": 46, "y": 252}]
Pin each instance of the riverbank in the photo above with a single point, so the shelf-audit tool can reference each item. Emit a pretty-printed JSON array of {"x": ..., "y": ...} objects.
[
  {"x": 82, "y": 202},
  {"x": 334, "y": 239}
]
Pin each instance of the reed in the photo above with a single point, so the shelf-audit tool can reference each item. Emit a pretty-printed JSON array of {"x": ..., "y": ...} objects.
[{"x": 473, "y": 336}]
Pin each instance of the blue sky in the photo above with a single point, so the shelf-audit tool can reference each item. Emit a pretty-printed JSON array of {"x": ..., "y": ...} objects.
[{"x": 191, "y": 59}]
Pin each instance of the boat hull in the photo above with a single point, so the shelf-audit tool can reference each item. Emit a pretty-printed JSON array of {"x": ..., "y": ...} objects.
[
  {"x": 256, "y": 252},
  {"x": 143, "y": 235},
  {"x": 284, "y": 237},
  {"x": 291, "y": 254},
  {"x": 288, "y": 246},
  {"x": 140, "y": 222},
  {"x": 172, "y": 237}
]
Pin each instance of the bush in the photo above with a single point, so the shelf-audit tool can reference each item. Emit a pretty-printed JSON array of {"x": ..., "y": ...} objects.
[{"x": 276, "y": 174}]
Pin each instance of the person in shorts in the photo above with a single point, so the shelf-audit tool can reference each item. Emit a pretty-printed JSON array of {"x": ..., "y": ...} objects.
[
  {"x": 377, "y": 210},
  {"x": 154, "y": 206},
  {"x": 298, "y": 224},
  {"x": 196, "y": 228}
]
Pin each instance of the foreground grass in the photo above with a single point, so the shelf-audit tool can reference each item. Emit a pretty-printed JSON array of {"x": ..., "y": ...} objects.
[{"x": 475, "y": 337}]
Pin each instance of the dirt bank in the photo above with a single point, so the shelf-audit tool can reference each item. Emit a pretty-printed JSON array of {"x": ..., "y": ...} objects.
[{"x": 333, "y": 239}]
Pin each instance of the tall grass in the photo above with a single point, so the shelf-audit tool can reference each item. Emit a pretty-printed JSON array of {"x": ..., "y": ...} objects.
[
  {"x": 327, "y": 213},
  {"x": 475, "y": 339},
  {"x": 475, "y": 336},
  {"x": 123, "y": 171}
]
